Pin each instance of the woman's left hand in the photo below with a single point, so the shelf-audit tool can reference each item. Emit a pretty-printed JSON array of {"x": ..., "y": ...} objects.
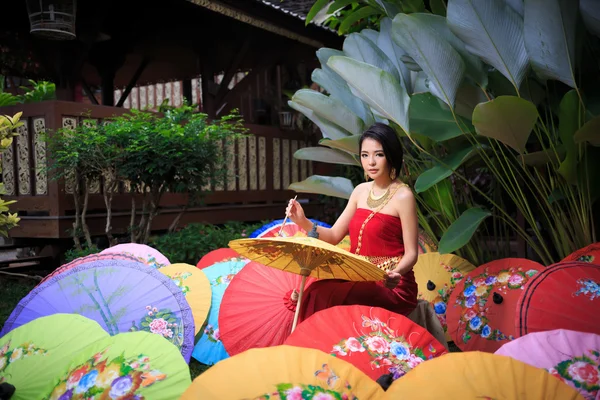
[{"x": 392, "y": 280}]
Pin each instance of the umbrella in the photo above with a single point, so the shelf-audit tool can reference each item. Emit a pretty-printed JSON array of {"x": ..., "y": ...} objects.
[
  {"x": 374, "y": 340},
  {"x": 573, "y": 357},
  {"x": 216, "y": 256},
  {"x": 345, "y": 244},
  {"x": 209, "y": 348},
  {"x": 135, "y": 365},
  {"x": 258, "y": 308},
  {"x": 290, "y": 229},
  {"x": 307, "y": 256},
  {"x": 148, "y": 255},
  {"x": 478, "y": 375},
  {"x": 589, "y": 254},
  {"x": 436, "y": 275},
  {"x": 195, "y": 287},
  {"x": 47, "y": 343},
  {"x": 482, "y": 307},
  {"x": 88, "y": 259},
  {"x": 563, "y": 296},
  {"x": 283, "y": 372},
  {"x": 120, "y": 295}
]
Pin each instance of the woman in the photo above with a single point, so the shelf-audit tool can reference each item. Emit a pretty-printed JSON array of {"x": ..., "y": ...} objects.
[{"x": 381, "y": 217}]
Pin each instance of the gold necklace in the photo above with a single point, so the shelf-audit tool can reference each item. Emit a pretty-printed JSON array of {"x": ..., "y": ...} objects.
[{"x": 375, "y": 201}]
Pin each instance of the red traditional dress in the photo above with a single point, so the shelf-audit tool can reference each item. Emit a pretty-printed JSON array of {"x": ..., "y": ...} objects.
[{"x": 381, "y": 238}]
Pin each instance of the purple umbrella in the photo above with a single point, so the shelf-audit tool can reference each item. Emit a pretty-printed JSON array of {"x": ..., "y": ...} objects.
[{"x": 122, "y": 296}]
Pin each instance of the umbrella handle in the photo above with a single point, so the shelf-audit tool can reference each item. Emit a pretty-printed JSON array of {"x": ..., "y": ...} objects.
[
  {"x": 297, "y": 313},
  {"x": 284, "y": 221}
]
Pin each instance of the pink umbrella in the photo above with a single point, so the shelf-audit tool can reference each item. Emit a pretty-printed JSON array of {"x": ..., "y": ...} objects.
[
  {"x": 146, "y": 254},
  {"x": 573, "y": 357}
]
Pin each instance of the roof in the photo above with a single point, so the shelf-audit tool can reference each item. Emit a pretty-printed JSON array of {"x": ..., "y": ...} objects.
[{"x": 296, "y": 8}]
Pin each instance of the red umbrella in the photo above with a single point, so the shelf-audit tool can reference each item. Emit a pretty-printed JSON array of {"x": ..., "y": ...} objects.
[
  {"x": 216, "y": 256},
  {"x": 258, "y": 308},
  {"x": 481, "y": 308},
  {"x": 563, "y": 296},
  {"x": 589, "y": 254},
  {"x": 374, "y": 340}
]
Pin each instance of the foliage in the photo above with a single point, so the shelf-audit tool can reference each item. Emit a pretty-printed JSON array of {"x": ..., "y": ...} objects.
[
  {"x": 8, "y": 127},
  {"x": 75, "y": 253},
  {"x": 191, "y": 243},
  {"x": 39, "y": 91},
  {"x": 488, "y": 119},
  {"x": 175, "y": 150}
]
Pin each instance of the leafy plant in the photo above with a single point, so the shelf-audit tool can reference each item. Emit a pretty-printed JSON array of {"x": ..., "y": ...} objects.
[
  {"x": 475, "y": 99},
  {"x": 8, "y": 127},
  {"x": 75, "y": 253},
  {"x": 191, "y": 243}
]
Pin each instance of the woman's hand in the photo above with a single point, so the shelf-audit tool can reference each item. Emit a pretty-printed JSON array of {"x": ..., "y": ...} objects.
[
  {"x": 392, "y": 279},
  {"x": 295, "y": 212}
]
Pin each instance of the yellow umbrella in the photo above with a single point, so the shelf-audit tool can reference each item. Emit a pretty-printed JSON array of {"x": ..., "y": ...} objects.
[
  {"x": 345, "y": 243},
  {"x": 307, "y": 256},
  {"x": 436, "y": 275},
  {"x": 479, "y": 375},
  {"x": 282, "y": 372},
  {"x": 195, "y": 287}
]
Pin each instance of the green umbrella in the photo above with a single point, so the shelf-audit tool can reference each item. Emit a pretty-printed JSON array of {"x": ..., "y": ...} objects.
[
  {"x": 135, "y": 365},
  {"x": 46, "y": 344}
]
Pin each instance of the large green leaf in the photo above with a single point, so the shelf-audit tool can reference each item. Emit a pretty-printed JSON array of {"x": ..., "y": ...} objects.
[
  {"x": 493, "y": 31},
  {"x": 589, "y": 132},
  {"x": 550, "y": 27},
  {"x": 462, "y": 230},
  {"x": 323, "y": 154},
  {"x": 330, "y": 109},
  {"x": 568, "y": 123},
  {"x": 376, "y": 87},
  {"x": 328, "y": 128},
  {"x": 370, "y": 34},
  {"x": 467, "y": 98},
  {"x": 590, "y": 13},
  {"x": 362, "y": 49},
  {"x": 508, "y": 119},
  {"x": 314, "y": 10},
  {"x": 474, "y": 68},
  {"x": 544, "y": 157},
  {"x": 429, "y": 118},
  {"x": 351, "y": 19},
  {"x": 441, "y": 198},
  {"x": 326, "y": 185},
  {"x": 438, "y": 7},
  {"x": 348, "y": 144},
  {"x": 393, "y": 51},
  {"x": 441, "y": 62},
  {"x": 389, "y": 7},
  {"x": 440, "y": 172}
]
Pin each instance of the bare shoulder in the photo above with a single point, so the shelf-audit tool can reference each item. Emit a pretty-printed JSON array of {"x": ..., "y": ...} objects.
[
  {"x": 404, "y": 195},
  {"x": 361, "y": 188}
]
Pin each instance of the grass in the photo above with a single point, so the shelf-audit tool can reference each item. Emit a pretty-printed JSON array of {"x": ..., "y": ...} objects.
[{"x": 12, "y": 290}]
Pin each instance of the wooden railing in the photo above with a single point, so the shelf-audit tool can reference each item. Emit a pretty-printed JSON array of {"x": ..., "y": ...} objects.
[{"x": 254, "y": 190}]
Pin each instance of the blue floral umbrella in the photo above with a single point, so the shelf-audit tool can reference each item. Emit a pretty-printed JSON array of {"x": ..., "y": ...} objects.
[
  {"x": 290, "y": 229},
  {"x": 209, "y": 349},
  {"x": 120, "y": 295}
]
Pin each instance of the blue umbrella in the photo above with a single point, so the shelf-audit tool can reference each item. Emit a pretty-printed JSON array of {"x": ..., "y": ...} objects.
[
  {"x": 291, "y": 229},
  {"x": 209, "y": 349}
]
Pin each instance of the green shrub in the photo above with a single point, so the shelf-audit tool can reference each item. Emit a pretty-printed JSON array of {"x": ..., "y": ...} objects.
[
  {"x": 191, "y": 243},
  {"x": 74, "y": 253}
]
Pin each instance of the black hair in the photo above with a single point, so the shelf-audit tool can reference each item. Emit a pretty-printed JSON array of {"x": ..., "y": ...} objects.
[{"x": 392, "y": 148}]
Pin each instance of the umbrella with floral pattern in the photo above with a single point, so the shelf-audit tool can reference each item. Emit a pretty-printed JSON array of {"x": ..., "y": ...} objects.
[
  {"x": 120, "y": 295},
  {"x": 273, "y": 229},
  {"x": 562, "y": 296},
  {"x": 482, "y": 307},
  {"x": 479, "y": 375},
  {"x": 135, "y": 365},
  {"x": 436, "y": 275},
  {"x": 195, "y": 287},
  {"x": 144, "y": 253},
  {"x": 217, "y": 256},
  {"x": 375, "y": 340},
  {"x": 589, "y": 254},
  {"x": 283, "y": 372},
  {"x": 573, "y": 357}
]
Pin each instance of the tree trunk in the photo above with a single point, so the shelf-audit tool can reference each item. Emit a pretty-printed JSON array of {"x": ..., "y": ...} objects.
[
  {"x": 77, "y": 223},
  {"x": 110, "y": 183},
  {"x": 155, "y": 195},
  {"x": 86, "y": 230},
  {"x": 132, "y": 220},
  {"x": 175, "y": 222}
]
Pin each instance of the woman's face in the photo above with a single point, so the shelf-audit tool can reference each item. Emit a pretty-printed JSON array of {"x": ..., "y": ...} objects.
[{"x": 373, "y": 159}]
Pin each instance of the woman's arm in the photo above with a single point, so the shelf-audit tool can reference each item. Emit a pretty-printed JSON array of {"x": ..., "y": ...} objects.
[
  {"x": 407, "y": 210},
  {"x": 332, "y": 235}
]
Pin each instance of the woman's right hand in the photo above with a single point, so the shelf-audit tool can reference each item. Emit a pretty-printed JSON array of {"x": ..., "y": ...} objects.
[{"x": 295, "y": 212}]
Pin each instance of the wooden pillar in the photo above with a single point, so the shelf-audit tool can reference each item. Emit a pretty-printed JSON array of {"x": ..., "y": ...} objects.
[{"x": 108, "y": 87}]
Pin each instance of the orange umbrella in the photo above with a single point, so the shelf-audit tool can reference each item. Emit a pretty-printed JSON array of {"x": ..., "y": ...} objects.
[
  {"x": 283, "y": 372},
  {"x": 481, "y": 310},
  {"x": 478, "y": 375}
]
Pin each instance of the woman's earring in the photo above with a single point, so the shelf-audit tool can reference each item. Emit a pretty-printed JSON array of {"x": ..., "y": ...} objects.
[
  {"x": 366, "y": 177},
  {"x": 393, "y": 174}
]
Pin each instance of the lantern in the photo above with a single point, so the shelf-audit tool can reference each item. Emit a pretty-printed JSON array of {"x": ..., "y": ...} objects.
[{"x": 52, "y": 19}]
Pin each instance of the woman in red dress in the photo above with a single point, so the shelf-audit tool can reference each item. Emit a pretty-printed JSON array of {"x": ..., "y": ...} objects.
[{"x": 381, "y": 217}]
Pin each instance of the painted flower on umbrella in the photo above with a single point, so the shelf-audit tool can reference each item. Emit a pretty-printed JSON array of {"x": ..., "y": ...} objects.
[
  {"x": 10, "y": 355},
  {"x": 179, "y": 279},
  {"x": 385, "y": 347},
  {"x": 588, "y": 287},
  {"x": 474, "y": 297},
  {"x": 582, "y": 373},
  {"x": 118, "y": 378},
  {"x": 161, "y": 322},
  {"x": 440, "y": 303},
  {"x": 213, "y": 334}
]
